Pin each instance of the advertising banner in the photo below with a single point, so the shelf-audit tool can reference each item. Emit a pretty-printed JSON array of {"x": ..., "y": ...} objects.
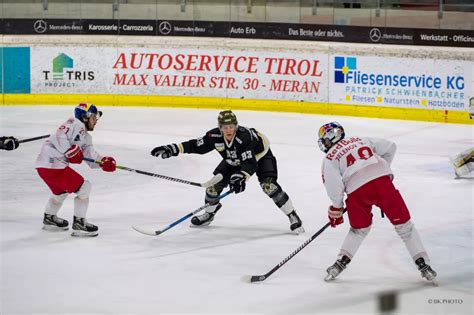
[
  {"x": 287, "y": 31},
  {"x": 68, "y": 70},
  {"x": 177, "y": 72},
  {"x": 339, "y": 79},
  {"x": 401, "y": 82}
]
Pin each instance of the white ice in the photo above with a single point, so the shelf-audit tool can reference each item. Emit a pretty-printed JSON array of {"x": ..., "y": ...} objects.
[{"x": 189, "y": 270}]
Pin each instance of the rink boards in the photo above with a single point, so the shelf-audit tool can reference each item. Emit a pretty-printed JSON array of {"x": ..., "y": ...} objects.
[{"x": 397, "y": 82}]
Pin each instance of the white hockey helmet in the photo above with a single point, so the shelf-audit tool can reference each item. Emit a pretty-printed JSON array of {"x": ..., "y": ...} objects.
[{"x": 330, "y": 134}]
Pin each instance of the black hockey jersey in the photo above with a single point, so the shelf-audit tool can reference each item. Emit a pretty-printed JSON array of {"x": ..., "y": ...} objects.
[{"x": 247, "y": 147}]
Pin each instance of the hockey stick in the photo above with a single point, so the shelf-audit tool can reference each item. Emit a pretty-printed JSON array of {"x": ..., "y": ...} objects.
[
  {"x": 217, "y": 178},
  {"x": 33, "y": 139},
  {"x": 260, "y": 278},
  {"x": 158, "y": 232}
]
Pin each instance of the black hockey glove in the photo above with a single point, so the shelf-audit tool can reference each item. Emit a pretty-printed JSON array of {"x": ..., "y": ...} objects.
[
  {"x": 9, "y": 143},
  {"x": 237, "y": 182},
  {"x": 166, "y": 151}
]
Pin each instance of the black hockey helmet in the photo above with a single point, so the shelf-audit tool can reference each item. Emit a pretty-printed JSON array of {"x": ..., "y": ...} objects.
[{"x": 226, "y": 117}]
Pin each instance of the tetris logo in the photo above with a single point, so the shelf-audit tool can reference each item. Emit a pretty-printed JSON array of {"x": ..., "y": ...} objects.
[
  {"x": 63, "y": 74},
  {"x": 342, "y": 65},
  {"x": 59, "y": 63}
]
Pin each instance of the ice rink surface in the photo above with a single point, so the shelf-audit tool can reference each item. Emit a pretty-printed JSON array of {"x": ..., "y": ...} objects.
[{"x": 189, "y": 270}]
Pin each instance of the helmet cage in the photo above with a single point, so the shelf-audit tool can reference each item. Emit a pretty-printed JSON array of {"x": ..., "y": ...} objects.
[{"x": 324, "y": 144}]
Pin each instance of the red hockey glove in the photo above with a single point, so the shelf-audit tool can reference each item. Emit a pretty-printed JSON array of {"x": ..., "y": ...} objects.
[
  {"x": 74, "y": 154},
  {"x": 108, "y": 164},
  {"x": 335, "y": 216}
]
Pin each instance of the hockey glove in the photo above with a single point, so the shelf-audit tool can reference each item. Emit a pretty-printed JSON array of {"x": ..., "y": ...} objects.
[
  {"x": 108, "y": 164},
  {"x": 166, "y": 151},
  {"x": 335, "y": 216},
  {"x": 74, "y": 154},
  {"x": 237, "y": 182},
  {"x": 9, "y": 143}
]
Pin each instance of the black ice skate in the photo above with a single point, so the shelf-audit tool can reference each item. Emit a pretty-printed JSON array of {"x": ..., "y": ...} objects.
[
  {"x": 337, "y": 268},
  {"x": 296, "y": 225},
  {"x": 204, "y": 219},
  {"x": 426, "y": 271},
  {"x": 81, "y": 227},
  {"x": 52, "y": 222}
]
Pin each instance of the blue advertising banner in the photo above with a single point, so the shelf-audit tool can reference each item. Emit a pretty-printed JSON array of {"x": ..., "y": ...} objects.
[{"x": 16, "y": 70}]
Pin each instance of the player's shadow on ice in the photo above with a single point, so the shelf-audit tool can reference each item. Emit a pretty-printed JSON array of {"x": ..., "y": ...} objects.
[
  {"x": 41, "y": 238},
  {"x": 218, "y": 239}
]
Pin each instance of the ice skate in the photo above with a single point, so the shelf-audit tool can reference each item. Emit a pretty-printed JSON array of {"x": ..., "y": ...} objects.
[
  {"x": 52, "y": 222},
  {"x": 202, "y": 220},
  {"x": 337, "y": 268},
  {"x": 296, "y": 225},
  {"x": 81, "y": 227},
  {"x": 463, "y": 163},
  {"x": 426, "y": 271}
]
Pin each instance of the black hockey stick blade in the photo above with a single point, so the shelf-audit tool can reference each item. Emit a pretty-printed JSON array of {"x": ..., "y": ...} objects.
[{"x": 250, "y": 279}]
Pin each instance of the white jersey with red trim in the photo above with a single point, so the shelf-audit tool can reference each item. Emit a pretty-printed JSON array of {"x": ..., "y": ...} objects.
[
  {"x": 353, "y": 162},
  {"x": 71, "y": 132}
]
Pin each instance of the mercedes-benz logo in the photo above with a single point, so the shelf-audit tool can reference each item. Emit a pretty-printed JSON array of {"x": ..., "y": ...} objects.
[
  {"x": 375, "y": 34},
  {"x": 40, "y": 26},
  {"x": 164, "y": 28}
]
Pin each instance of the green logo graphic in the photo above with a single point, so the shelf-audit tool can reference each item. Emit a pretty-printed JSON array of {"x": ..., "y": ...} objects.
[{"x": 59, "y": 63}]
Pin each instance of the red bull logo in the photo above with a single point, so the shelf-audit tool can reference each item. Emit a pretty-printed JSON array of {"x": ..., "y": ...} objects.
[
  {"x": 85, "y": 106},
  {"x": 325, "y": 128}
]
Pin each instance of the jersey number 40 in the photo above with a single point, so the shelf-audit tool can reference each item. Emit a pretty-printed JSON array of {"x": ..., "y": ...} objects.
[{"x": 364, "y": 153}]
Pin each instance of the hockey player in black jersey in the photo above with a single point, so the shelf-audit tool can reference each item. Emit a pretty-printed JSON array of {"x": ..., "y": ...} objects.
[
  {"x": 245, "y": 151},
  {"x": 9, "y": 143}
]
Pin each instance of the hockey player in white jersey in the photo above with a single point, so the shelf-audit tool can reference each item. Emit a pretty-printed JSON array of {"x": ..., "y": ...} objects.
[
  {"x": 360, "y": 167},
  {"x": 69, "y": 144},
  {"x": 463, "y": 163}
]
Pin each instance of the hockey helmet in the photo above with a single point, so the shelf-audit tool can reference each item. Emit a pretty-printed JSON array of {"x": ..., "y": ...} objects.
[
  {"x": 226, "y": 117},
  {"x": 85, "y": 110},
  {"x": 330, "y": 134}
]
